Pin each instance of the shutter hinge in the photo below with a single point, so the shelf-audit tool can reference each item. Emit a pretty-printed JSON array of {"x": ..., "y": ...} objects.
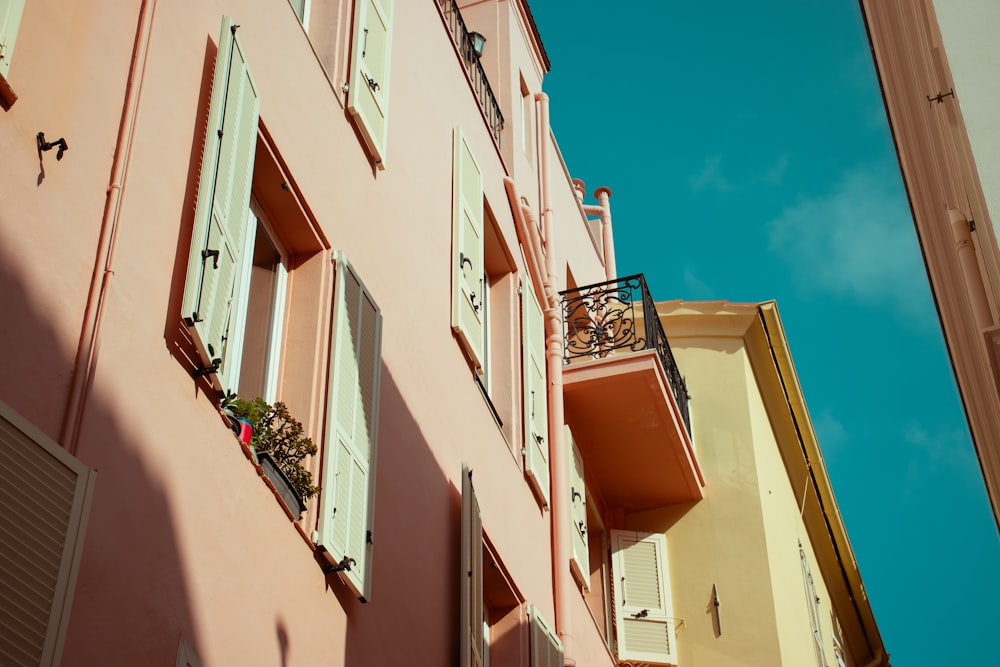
[
  {"x": 343, "y": 566},
  {"x": 368, "y": 537},
  {"x": 202, "y": 371},
  {"x": 972, "y": 225}
]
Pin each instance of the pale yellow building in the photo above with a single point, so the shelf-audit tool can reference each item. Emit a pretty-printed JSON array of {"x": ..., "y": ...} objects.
[{"x": 760, "y": 570}]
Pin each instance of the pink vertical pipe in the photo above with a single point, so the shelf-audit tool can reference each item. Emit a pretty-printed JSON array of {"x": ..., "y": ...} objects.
[
  {"x": 90, "y": 328},
  {"x": 970, "y": 268},
  {"x": 603, "y": 196},
  {"x": 558, "y": 460}
]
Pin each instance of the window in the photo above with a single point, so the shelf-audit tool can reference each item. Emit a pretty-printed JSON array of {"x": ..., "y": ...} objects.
[
  {"x": 534, "y": 393},
  {"x": 527, "y": 113},
  {"x": 472, "y": 637},
  {"x": 643, "y": 609},
  {"x": 221, "y": 233},
  {"x": 46, "y": 494},
  {"x": 348, "y": 490},
  {"x": 812, "y": 602},
  {"x": 468, "y": 312},
  {"x": 10, "y": 21},
  {"x": 259, "y": 316},
  {"x": 368, "y": 86}
]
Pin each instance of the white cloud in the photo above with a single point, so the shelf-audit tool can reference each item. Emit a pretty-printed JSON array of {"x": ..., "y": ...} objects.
[
  {"x": 830, "y": 432},
  {"x": 776, "y": 173},
  {"x": 938, "y": 453},
  {"x": 855, "y": 241},
  {"x": 695, "y": 288},
  {"x": 711, "y": 177}
]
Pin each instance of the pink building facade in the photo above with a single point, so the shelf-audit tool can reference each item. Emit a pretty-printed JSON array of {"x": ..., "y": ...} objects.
[{"x": 342, "y": 207}]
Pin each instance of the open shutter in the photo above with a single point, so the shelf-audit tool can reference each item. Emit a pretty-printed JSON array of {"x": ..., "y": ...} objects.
[
  {"x": 467, "y": 305},
  {"x": 10, "y": 20},
  {"x": 580, "y": 561},
  {"x": 368, "y": 89},
  {"x": 536, "y": 410},
  {"x": 348, "y": 490},
  {"x": 643, "y": 611},
  {"x": 221, "y": 213},
  {"x": 45, "y": 494},
  {"x": 546, "y": 649},
  {"x": 471, "y": 584}
]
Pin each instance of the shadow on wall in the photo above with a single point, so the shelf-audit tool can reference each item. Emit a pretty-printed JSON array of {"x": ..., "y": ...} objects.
[
  {"x": 415, "y": 572},
  {"x": 122, "y": 614}
]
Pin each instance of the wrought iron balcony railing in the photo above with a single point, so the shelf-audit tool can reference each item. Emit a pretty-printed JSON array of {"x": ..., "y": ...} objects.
[
  {"x": 600, "y": 320},
  {"x": 480, "y": 84}
]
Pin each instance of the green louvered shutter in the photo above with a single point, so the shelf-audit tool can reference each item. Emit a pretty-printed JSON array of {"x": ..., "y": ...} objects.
[
  {"x": 368, "y": 88},
  {"x": 348, "y": 490},
  {"x": 535, "y": 396},
  {"x": 45, "y": 497},
  {"x": 471, "y": 577},
  {"x": 221, "y": 214},
  {"x": 643, "y": 611},
  {"x": 10, "y": 21},
  {"x": 468, "y": 307},
  {"x": 580, "y": 561},
  {"x": 546, "y": 649}
]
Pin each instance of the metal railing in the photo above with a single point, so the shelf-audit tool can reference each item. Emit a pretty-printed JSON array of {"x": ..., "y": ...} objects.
[
  {"x": 480, "y": 84},
  {"x": 600, "y": 319}
]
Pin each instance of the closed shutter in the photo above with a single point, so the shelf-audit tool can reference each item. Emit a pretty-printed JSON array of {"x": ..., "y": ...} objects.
[
  {"x": 471, "y": 575},
  {"x": 45, "y": 498},
  {"x": 580, "y": 562},
  {"x": 222, "y": 210},
  {"x": 468, "y": 310},
  {"x": 643, "y": 611},
  {"x": 368, "y": 89},
  {"x": 348, "y": 490},
  {"x": 546, "y": 649},
  {"x": 10, "y": 21},
  {"x": 536, "y": 410}
]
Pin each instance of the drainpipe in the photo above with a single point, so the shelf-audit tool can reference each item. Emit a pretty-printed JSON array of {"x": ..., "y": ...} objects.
[
  {"x": 558, "y": 462},
  {"x": 602, "y": 209},
  {"x": 523, "y": 219},
  {"x": 90, "y": 329},
  {"x": 961, "y": 230}
]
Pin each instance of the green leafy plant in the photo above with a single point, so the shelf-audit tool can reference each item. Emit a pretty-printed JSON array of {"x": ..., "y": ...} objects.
[{"x": 279, "y": 434}]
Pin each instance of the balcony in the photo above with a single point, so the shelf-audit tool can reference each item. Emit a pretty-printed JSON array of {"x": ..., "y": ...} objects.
[
  {"x": 625, "y": 398},
  {"x": 473, "y": 68}
]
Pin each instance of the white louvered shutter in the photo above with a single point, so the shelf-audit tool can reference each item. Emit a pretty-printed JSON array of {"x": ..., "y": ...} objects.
[
  {"x": 471, "y": 575},
  {"x": 580, "y": 561},
  {"x": 467, "y": 305},
  {"x": 546, "y": 649},
  {"x": 643, "y": 611},
  {"x": 348, "y": 489},
  {"x": 535, "y": 396},
  {"x": 45, "y": 494},
  {"x": 222, "y": 210},
  {"x": 368, "y": 88},
  {"x": 10, "y": 21}
]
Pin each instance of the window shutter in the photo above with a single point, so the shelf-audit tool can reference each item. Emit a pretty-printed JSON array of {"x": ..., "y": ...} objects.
[
  {"x": 471, "y": 584},
  {"x": 221, "y": 213},
  {"x": 643, "y": 611},
  {"x": 546, "y": 649},
  {"x": 368, "y": 90},
  {"x": 348, "y": 491},
  {"x": 536, "y": 409},
  {"x": 467, "y": 286},
  {"x": 580, "y": 562},
  {"x": 45, "y": 493},
  {"x": 10, "y": 20}
]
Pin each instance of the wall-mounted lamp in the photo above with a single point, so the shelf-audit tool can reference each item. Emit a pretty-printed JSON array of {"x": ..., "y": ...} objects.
[
  {"x": 476, "y": 42},
  {"x": 59, "y": 143}
]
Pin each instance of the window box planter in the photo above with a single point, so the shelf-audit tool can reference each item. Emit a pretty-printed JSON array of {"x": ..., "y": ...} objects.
[{"x": 282, "y": 485}]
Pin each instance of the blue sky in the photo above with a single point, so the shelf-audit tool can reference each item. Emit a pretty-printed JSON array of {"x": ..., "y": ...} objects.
[{"x": 749, "y": 156}]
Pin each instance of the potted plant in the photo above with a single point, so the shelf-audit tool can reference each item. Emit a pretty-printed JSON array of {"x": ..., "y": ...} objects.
[{"x": 277, "y": 441}]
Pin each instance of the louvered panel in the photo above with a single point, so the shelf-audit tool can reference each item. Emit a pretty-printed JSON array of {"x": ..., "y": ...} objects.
[
  {"x": 43, "y": 493},
  {"x": 642, "y": 586},
  {"x": 347, "y": 370},
  {"x": 647, "y": 637},
  {"x": 368, "y": 362}
]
